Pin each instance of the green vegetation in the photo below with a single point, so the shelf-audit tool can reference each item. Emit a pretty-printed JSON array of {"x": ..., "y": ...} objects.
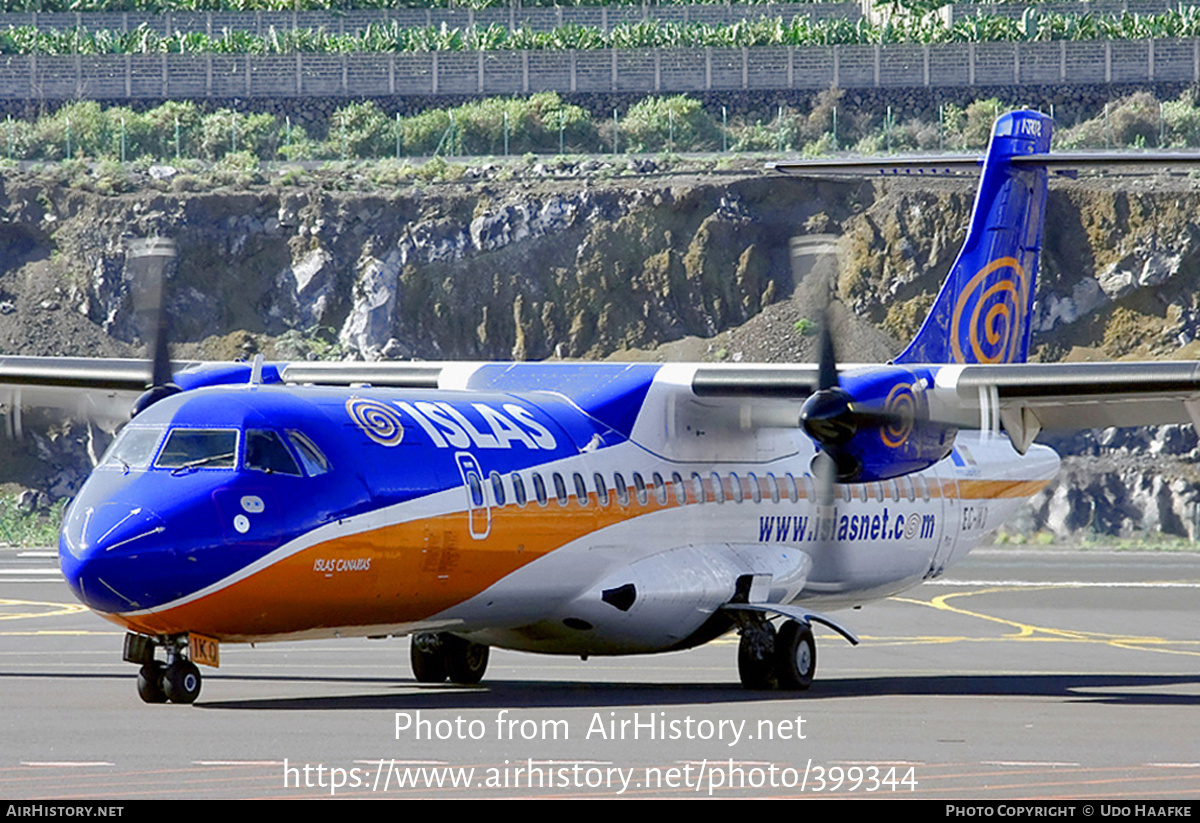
[
  {"x": 30, "y": 528},
  {"x": 1034, "y": 26},
  {"x": 156, "y": 6},
  {"x": 237, "y": 142}
]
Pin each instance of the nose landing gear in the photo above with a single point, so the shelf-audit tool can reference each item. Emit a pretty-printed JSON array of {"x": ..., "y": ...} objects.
[{"x": 178, "y": 680}]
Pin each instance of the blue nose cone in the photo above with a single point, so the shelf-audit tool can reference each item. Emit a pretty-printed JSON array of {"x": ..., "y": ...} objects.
[{"x": 106, "y": 550}]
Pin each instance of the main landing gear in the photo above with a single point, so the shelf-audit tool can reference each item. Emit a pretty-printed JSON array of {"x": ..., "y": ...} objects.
[
  {"x": 177, "y": 680},
  {"x": 438, "y": 657},
  {"x": 767, "y": 659}
]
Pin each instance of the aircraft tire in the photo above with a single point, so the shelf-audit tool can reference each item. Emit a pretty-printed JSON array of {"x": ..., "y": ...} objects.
[
  {"x": 181, "y": 682},
  {"x": 465, "y": 661},
  {"x": 756, "y": 657},
  {"x": 150, "y": 682},
  {"x": 796, "y": 653},
  {"x": 428, "y": 665}
]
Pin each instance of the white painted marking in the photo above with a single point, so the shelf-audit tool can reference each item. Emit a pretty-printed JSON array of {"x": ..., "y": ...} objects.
[
  {"x": 1068, "y": 584},
  {"x": 37, "y": 554},
  {"x": 30, "y": 571},
  {"x": 375, "y": 762},
  {"x": 241, "y": 523},
  {"x": 1175, "y": 765}
]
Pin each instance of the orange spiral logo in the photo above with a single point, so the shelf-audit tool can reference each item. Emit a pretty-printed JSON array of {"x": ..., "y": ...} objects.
[
  {"x": 995, "y": 311},
  {"x": 901, "y": 401},
  {"x": 379, "y": 422}
]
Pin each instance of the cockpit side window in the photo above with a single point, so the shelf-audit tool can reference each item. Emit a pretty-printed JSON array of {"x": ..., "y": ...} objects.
[
  {"x": 313, "y": 458},
  {"x": 134, "y": 447},
  {"x": 265, "y": 452},
  {"x": 199, "y": 448}
]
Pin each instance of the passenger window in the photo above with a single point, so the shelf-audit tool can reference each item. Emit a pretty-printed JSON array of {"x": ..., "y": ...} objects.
[
  {"x": 789, "y": 487},
  {"x": 805, "y": 489},
  {"x": 475, "y": 488},
  {"x": 560, "y": 489},
  {"x": 639, "y": 486},
  {"x": 581, "y": 492},
  {"x": 199, "y": 448},
  {"x": 718, "y": 488},
  {"x": 773, "y": 488},
  {"x": 680, "y": 489},
  {"x": 601, "y": 488},
  {"x": 498, "y": 489},
  {"x": 312, "y": 457},
  {"x": 735, "y": 487},
  {"x": 697, "y": 487},
  {"x": 622, "y": 489},
  {"x": 755, "y": 489},
  {"x": 660, "y": 489},
  {"x": 539, "y": 489},
  {"x": 518, "y": 484}
]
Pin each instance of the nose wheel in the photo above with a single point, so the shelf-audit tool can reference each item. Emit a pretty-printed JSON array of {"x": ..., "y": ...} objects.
[{"x": 176, "y": 681}]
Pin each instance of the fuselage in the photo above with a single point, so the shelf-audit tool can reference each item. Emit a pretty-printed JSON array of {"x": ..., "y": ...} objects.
[{"x": 596, "y": 521}]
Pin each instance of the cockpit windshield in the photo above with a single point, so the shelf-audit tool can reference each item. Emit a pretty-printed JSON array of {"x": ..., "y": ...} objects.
[
  {"x": 291, "y": 453},
  {"x": 265, "y": 452},
  {"x": 134, "y": 447},
  {"x": 199, "y": 448}
]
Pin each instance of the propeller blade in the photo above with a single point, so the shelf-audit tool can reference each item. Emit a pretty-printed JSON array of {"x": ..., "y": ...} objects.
[{"x": 147, "y": 258}]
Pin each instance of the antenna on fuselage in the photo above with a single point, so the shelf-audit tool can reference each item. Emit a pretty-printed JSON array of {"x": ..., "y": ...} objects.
[{"x": 146, "y": 260}]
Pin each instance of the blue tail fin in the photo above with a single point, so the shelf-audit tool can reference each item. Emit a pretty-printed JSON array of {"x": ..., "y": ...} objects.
[{"x": 983, "y": 312}]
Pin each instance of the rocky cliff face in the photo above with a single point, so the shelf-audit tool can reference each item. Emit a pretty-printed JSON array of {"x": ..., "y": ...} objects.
[
  {"x": 480, "y": 270},
  {"x": 539, "y": 266}
]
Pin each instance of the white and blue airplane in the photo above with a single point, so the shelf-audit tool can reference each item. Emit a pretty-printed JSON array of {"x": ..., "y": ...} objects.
[{"x": 583, "y": 508}]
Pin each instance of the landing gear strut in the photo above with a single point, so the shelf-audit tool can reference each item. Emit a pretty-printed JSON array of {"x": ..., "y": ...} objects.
[
  {"x": 769, "y": 660},
  {"x": 436, "y": 657},
  {"x": 178, "y": 680}
]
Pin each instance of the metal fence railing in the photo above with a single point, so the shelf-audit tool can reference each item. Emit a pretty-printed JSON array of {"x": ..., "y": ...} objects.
[{"x": 180, "y": 76}]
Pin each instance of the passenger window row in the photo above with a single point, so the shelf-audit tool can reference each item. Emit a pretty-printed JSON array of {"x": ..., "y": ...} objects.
[{"x": 713, "y": 488}]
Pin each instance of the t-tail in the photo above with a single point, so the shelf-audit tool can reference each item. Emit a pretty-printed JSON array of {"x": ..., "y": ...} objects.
[{"x": 983, "y": 312}]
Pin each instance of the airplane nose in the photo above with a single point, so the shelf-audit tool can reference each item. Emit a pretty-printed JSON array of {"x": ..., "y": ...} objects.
[{"x": 99, "y": 551}]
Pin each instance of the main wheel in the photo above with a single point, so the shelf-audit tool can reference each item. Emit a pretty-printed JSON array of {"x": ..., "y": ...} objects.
[
  {"x": 796, "y": 653},
  {"x": 756, "y": 656},
  {"x": 150, "y": 682},
  {"x": 465, "y": 661},
  {"x": 181, "y": 682},
  {"x": 428, "y": 658}
]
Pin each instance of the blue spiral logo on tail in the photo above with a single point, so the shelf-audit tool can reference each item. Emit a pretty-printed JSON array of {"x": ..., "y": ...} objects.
[{"x": 988, "y": 323}]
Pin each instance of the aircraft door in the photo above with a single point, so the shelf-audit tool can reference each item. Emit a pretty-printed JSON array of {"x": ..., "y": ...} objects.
[
  {"x": 949, "y": 517},
  {"x": 479, "y": 513}
]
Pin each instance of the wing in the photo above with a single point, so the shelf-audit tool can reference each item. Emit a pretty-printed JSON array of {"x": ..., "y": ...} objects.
[
  {"x": 99, "y": 390},
  {"x": 1028, "y": 398}
]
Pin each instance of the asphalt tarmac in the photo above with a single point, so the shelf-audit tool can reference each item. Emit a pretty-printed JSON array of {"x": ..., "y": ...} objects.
[{"x": 1021, "y": 675}]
